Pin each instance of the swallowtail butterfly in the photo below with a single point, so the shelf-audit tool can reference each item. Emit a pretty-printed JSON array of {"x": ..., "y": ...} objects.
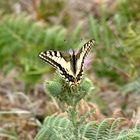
[{"x": 70, "y": 66}]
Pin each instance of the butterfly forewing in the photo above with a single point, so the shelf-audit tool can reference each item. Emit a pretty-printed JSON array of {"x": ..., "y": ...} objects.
[
  {"x": 83, "y": 52},
  {"x": 58, "y": 60}
]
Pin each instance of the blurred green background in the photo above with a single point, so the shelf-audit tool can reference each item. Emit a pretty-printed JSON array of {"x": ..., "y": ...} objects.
[{"x": 28, "y": 27}]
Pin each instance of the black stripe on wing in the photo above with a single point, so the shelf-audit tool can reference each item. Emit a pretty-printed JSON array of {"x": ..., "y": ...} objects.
[
  {"x": 43, "y": 56},
  {"x": 46, "y": 58},
  {"x": 87, "y": 47},
  {"x": 84, "y": 52},
  {"x": 53, "y": 63},
  {"x": 73, "y": 63}
]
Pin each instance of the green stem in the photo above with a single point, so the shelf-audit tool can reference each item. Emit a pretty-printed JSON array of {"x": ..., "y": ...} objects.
[{"x": 72, "y": 114}]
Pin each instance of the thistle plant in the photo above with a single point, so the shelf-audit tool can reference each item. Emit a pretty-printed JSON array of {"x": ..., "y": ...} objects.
[
  {"x": 74, "y": 127},
  {"x": 64, "y": 93},
  {"x": 68, "y": 98},
  {"x": 72, "y": 89}
]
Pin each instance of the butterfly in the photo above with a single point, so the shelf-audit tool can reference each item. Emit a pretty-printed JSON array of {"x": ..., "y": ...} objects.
[{"x": 70, "y": 66}]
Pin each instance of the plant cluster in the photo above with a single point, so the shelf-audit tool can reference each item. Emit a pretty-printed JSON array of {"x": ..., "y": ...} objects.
[{"x": 74, "y": 127}]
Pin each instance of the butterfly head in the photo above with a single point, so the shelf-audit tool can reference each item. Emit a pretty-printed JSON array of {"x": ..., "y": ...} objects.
[{"x": 73, "y": 82}]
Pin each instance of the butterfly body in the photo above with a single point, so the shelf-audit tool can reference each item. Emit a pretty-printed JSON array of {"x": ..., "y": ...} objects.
[{"x": 70, "y": 66}]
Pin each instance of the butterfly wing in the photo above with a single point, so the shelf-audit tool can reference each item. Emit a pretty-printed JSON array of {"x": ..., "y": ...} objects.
[
  {"x": 59, "y": 60},
  {"x": 83, "y": 52},
  {"x": 69, "y": 66}
]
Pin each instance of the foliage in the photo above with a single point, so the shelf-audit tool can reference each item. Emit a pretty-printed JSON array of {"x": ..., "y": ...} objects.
[
  {"x": 61, "y": 128},
  {"x": 6, "y": 6},
  {"x": 72, "y": 128},
  {"x": 21, "y": 40},
  {"x": 118, "y": 46},
  {"x": 43, "y": 9},
  {"x": 25, "y": 39},
  {"x": 8, "y": 134},
  {"x": 48, "y": 8},
  {"x": 130, "y": 134},
  {"x": 117, "y": 54},
  {"x": 108, "y": 51},
  {"x": 129, "y": 10},
  {"x": 132, "y": 49}
]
